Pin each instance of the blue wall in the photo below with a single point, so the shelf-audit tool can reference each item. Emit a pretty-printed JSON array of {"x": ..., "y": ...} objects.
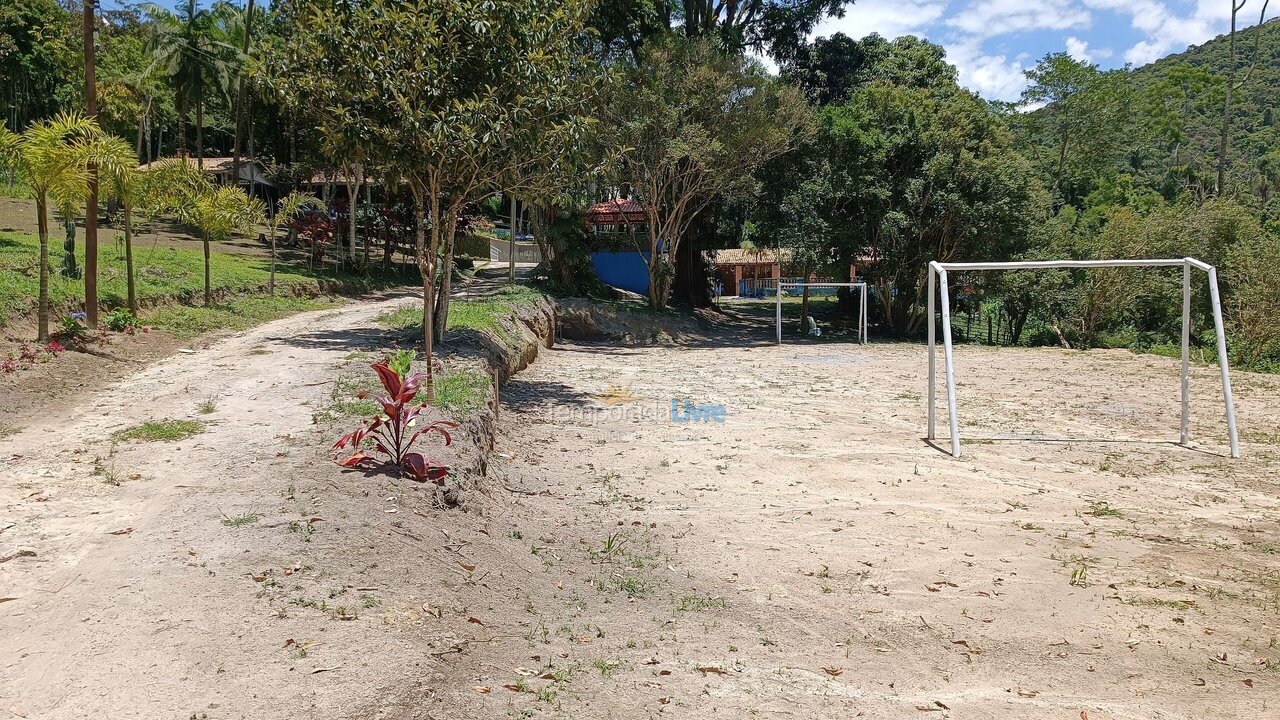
[{"x": 626, "y": 270}]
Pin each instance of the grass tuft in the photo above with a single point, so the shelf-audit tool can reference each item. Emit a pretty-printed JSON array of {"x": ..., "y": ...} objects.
[{"x": 166, "y": 430}]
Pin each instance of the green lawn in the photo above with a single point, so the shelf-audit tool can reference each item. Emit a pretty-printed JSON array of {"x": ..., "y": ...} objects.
[
  {"x": 480, "y": 314},
  {"x": 171, "y": 280}
]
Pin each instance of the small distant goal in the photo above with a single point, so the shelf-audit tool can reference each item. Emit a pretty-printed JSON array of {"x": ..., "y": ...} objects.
[{"x": 860, "y": 287}]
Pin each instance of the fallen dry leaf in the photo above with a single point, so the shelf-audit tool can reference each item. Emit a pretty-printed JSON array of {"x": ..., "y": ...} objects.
[
  {"x": 1248, "y": 682},
  {"x": 121, "y": 531},
  {"x": 1028, "y": 693},
  {"x": 705, "y": 669},
  {"x": 482, "y": 689},
  {"x": 664, "y": 672},
  {"x": 512, "y": 688},
  {"x": 475, "y": 620},
  {"x": 664, "y": 700},
  {"x": 833, "y": 671},
  {"x": 325, "y": 669},
  {"x": 468, "y": 568}
]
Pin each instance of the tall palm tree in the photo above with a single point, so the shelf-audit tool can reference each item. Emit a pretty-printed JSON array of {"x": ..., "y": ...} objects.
[
  {"x": 193, "y": 48},
  {"x": 53, "y": 157}
]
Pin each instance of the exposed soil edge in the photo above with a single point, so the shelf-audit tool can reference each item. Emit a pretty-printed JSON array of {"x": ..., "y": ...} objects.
[{"x": 530, "y": 327}]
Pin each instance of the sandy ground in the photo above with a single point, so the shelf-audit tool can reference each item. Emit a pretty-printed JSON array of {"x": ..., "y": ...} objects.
[{"x": 812, "y": 556}]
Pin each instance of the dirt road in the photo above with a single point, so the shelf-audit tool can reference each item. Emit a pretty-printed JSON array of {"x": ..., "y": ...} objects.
[{"x": 811, "y": 556}]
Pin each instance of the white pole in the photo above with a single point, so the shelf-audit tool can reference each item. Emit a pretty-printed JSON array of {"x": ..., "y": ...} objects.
[
  {"x": 951, "y": 369},
  {"x": 511, "y": 244},
  {"x": 778, "y": 294},
  {"x": 864, "y": 313},
  {"x": 1186, "y": 352},
  {"x": 933, "y": 362},
  {"x": 1222, "y": 362}
]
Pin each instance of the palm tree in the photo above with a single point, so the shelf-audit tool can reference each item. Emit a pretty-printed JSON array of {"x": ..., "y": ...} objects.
[
  {"x": 52, "y": 155},
  {"x": 118, "y": 172},
  {"x": 193, "y": 49},
  {"x": 290, "y": 206},
  {"x": 218, "y": 214}
]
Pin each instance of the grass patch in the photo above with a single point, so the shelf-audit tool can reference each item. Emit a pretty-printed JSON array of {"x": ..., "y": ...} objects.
[
  {"x": 631, "y": 586},
  {"x": 6, "y": 429},
  {"x": 164, "y": 275},
  {"x": 166, "y": 430},
  {"x": 241, "y": 520},
  {"x": 482, "y": 314},
  {"x": 1101, "y": 509},
  {"x": 462, "y": 391},
  {"x": 697, "y": 603},
  {"x": 235, "y": 314}
]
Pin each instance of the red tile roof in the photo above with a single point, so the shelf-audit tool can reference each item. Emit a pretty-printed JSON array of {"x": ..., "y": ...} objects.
[{"x": 615, "y": 212}]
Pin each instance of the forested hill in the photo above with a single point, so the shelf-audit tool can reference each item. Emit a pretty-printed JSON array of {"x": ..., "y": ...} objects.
[{"x": 1192, "y": 84}]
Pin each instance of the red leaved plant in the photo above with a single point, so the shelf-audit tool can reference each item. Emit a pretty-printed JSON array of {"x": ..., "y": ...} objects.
[{"x": 394, "y": 432}]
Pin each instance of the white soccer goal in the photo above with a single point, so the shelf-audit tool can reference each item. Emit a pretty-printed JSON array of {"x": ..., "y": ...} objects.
[
  {"x": 938, "y": 275},
  {"x": 862, "y": 306}
]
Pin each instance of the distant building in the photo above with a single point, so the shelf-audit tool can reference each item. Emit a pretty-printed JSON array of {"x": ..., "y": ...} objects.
[{"x": 219, "y": 170}]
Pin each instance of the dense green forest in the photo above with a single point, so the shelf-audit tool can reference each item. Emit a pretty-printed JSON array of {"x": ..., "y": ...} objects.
[{"x": 858, "y": 151}]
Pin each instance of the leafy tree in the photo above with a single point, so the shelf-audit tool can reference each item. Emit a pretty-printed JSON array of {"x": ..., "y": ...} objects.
[
  {"x": 1084, "y": 114},
  {"x": 118, "y": 175},
  {"x": 778, "y": 28},
  {"x": 692, "y": 124},
  {"x": 919, "y": 176},
  {"x": 39, "y": 50},
  {"x": 445, "y": 92},
  {"x": 290, "y": 206},
  {"x": 830, "y": 68}
]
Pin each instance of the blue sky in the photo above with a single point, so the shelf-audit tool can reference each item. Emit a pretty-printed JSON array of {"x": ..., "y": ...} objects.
[{"x": 993, "y": 41}]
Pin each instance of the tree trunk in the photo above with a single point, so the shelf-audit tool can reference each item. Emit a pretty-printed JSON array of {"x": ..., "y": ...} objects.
[
  {"x": 426, "y": 266},
  {"x": 446, "y": 273},
  {"x": 368, "y": 206},
  {"x": 42, "y": 223},
  {"x": 200, "y": 129},
  {"x": 1224, "y": 141},
  {"x": 804, "y": 310},
  {"x": 240, "y": 100},
  {"x": 208, "y": 294},
  {"x": 271, "y": 278},
  {"x": 128, "y": 257},
  {"x": 353, "y": 197}
]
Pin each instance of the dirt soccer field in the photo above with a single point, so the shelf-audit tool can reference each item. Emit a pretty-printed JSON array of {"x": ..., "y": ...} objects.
[{"x": 811, "y": 556}]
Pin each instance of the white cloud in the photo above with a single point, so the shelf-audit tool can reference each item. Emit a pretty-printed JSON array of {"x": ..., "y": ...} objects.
[
  {"x": 1167, "y": 31},
  {"x": 989, "y": 18},
  {"x": 1079, "y": 49},
  {"x": 890, "y": 18},
  {"x": 991, "y": 76}
]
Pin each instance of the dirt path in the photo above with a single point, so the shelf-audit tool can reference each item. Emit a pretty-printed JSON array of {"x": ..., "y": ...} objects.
[
  {"x": 134, "y": 601},
  {"x": 809, "y": 557},
  {"x": 812, "y": 557}
]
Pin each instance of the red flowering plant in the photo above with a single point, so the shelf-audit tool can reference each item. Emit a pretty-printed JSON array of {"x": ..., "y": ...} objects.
[{"x": 396, "y": 429}]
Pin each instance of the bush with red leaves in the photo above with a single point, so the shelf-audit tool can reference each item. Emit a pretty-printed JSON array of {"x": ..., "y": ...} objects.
[{"x": 394, "y": 432}]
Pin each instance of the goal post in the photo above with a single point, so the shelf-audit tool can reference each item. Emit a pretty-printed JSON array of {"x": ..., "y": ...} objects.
[
  {"x": 862, "y": 305},
  {"x": 938, "y": 286}
]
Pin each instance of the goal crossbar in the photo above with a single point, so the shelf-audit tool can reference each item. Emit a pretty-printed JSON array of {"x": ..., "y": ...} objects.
[
  {"x": 862, "y": 306},
  {"x": 938, "y": 286}
]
